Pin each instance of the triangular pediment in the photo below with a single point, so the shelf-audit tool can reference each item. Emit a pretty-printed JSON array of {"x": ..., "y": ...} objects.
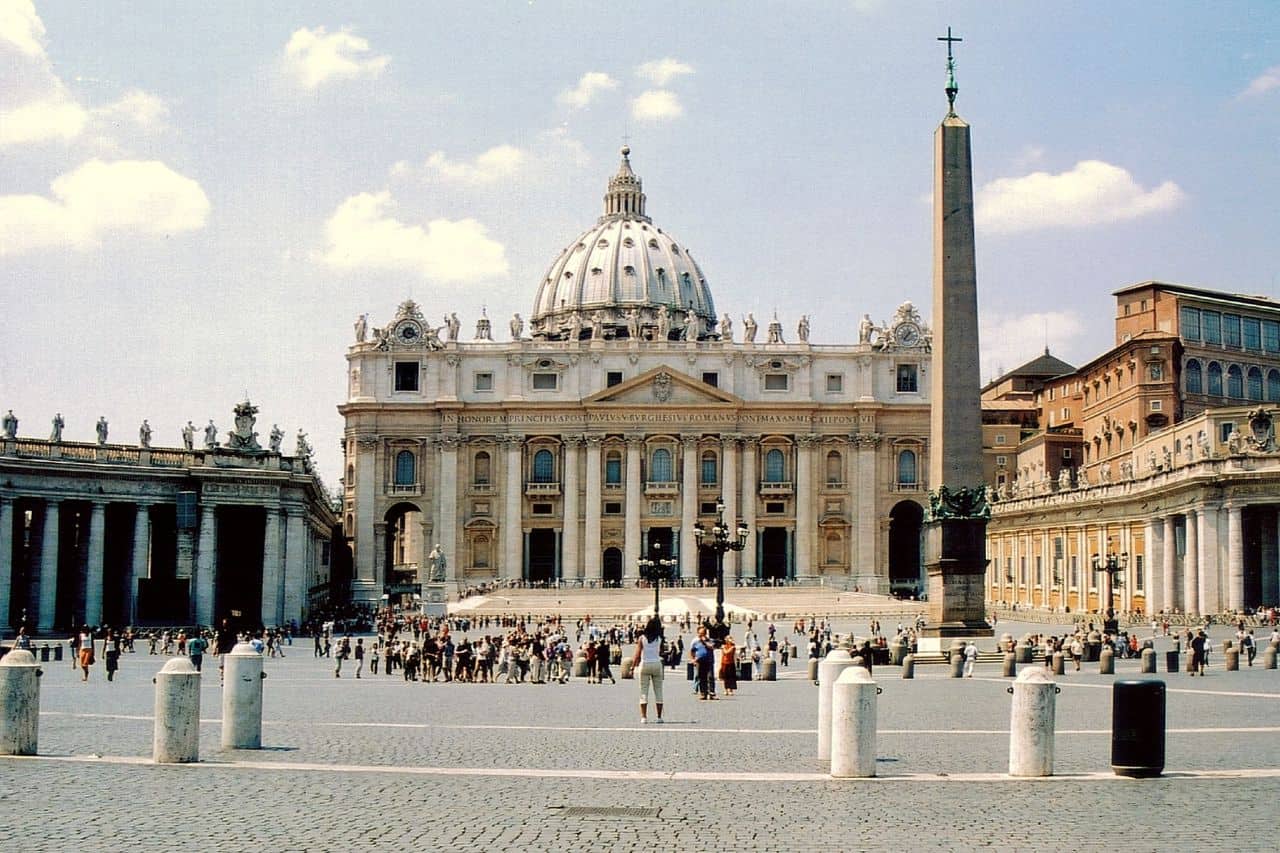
[{"x": 663, "y": 386}]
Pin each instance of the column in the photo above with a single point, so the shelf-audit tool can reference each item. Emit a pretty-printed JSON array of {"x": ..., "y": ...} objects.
[
  {"x": 272, "y": 573},
  {"x": 570, "y": 558},
  {"x": 93, "y": 568},
  {"x": 381, "y": 572},
  {"x": 139, "y": 560},
  {"x": 512, "y": 534},
  {"x": 1235, "y": 556},
  {"x": 1169, "y": 563},
  {"x": 1267, "y": 555},
  {"x": 6, "y": 559},
  {"x": 591, "y": 539},
  {"x": 1271, "y": 572},
  {"x": 631, "y": 531},
  {"x": 729, "y": 491},
  {"x": 447, "y": 532},
  {"x": 750, "y": 565},
  {"x": 1210, "y": 560},
  {"x": 805, "y": 500},
  {"x": 1191, "y": 565},
  {"x": 689, "y": 507},
  {"x": 48, "y": 567},
  {"x": 866, "y": 498},
  {"x": 206, "y": 561},
  {"x": 296, "y": 551},
  {"x": 367, "y": 585}
]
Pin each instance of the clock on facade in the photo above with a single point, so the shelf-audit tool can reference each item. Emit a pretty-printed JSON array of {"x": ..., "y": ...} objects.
[
  {"x": 408, "y": 331},
  {"x": 907, "y": 334}
]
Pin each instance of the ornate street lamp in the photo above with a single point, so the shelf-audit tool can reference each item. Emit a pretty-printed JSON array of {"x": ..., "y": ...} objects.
[
  {"x": 720, "y": 538},
  {"x": 1113, "y": 565},
  {"x": 655, "y": 569}
]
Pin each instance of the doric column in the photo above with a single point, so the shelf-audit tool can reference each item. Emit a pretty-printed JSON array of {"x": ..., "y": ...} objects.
[
  {"x": 6, "y": 558},
  {"x": 1210, "y": 560},
  {"x": 805, "y": 500},
  {"x": 750, "y": 491},
  {"x": 631, "y": 533},
  {"x": 729, "y": 491},
  {"x": 1169, "y": 563},
  {"x": 382, "y": 572},
  {"x": 447, "y": 532},
  {"x": 48, "y": 567},
  {"x": 512, "y": 531},
  {"x": 206, "y": 561},
  {"x": 1266, "y": 557},
  {"x": 1191, "y": 565},
  {"x": 93, "y": 567},
  {"x": 570, "y": 558},
  {"x": 591, "y": 539},
  {"x": 866, "y": 502},
  {"x": 367, "y": 586},
  {"x": 1235, "y": 556},
  {"x": 296, "y": 552},
  {"x": 272, "y": 572},
  {"x": 689, "y": 507},
  {"x": 139, "y": 560},
  {"x": 1271, "y": 571}
]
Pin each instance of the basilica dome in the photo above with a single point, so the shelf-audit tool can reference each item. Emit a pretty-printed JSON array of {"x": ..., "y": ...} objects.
[{"x": 624, "y": 277}]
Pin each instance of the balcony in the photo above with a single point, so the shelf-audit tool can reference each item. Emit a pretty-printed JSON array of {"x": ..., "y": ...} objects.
[
  {"x": 909, "y": 487},
  {"x": 541, "y": 490},
  {"x": 403, "y": 489},
  {"x": 775, "y": 489},
  {"x": 482, "y": 488},
  {"x": 661, "y": 488}
]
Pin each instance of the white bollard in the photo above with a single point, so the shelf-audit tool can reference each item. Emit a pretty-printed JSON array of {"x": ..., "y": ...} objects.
[
  {"x": 853, "y": 725},
  {"x": 836, "y": 662},
  {"x": 19, "y": 703},
  {"x": 1031, "y": 723},
  {"x": 242, "y": 698},
  {"x": 177, "y": 729}
]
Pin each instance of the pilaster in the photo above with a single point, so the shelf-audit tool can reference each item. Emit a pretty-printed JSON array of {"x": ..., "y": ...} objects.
[
  {"x": 591, "y": 539},
  {"x": 806, "y": 498},
  {"x": 689, "y": 507},
  {"x": 571, "y": 558},
  {"x": 729, "y": 491},
  {"x": 512, "y": 532},
  {"x": 750, "y": 502},
  {"x": 631, "y": 534}
]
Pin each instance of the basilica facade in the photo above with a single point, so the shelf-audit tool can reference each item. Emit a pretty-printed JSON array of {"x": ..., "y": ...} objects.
[{"x": 618, "y": 418}]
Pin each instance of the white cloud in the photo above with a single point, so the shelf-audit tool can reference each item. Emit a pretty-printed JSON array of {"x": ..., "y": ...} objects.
[
  {"x": 54, "y": 117},
  {"x": 656, "y": 105},
  {"x": 498, "y": 162},
  {"x": 1011, "y": 340},
  {"x": 660, "y": 72},
  {"x": 362, "y": 235},
  {"x": 315, "y": 56},
  {"x": 1091, "y": 193},
  {"x": 1263, "y": 83},
  {"x": 589, "y": 86},
  {"x": 98, "y": 198},
  {"x": 141, "y": 108},
  {"x": 21, "y": 27}
]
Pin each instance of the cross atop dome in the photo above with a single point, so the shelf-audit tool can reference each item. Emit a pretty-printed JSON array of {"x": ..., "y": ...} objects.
[{"x": 625, "y": 197}]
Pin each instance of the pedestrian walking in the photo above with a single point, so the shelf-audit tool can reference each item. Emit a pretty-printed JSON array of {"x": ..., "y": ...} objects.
[
  {"x": 359, "y": 656},
  {"x": 648, "y": 660},
  {"x": 85, "y": 649},
  {"x": 729, "y": 666},
  {"x": 702, "y": 655},
  {"x": 970, "y": 658},
  {"x": 111, "y": 654}
]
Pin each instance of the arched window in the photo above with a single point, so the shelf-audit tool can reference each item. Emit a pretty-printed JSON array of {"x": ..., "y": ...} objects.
[
  {"x": 613, "y": 468},
  {"x": 482, "y": 468},
  {"x": 1215, "y": 379},
  {"x": 709, "y": 474},
  {"x": 907, "y": 468},
  {"x": 544, "y": 467},
  {"x": 775, "y": 468},
  {"x": 1273, "y": 386},
  {"x": 404, "y": 468},
  {"x": 1255, "y": 383},
  {"x": 661, "y": 466},
  {"x": 1194, "y": 377},
  {"x": 1235, "y": 382},
  {"x": 835, "y": 468}
]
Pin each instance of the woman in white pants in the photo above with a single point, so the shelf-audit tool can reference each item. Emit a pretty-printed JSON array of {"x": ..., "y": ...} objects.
[{"x": 648, "y": 662}]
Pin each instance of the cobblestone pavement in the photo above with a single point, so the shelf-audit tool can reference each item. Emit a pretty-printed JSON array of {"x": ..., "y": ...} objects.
[{"x": 378, "y": 763}]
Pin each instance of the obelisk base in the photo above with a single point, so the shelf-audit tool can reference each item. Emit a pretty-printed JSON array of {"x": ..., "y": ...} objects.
[{"x": 956, "y": 566}]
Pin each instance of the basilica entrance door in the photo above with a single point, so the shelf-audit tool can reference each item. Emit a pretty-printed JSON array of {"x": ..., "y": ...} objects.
[
  {"x": 542, "y": 556},
  {"x": 773, "y": 553},
  {"x": 611, "y": 567}
]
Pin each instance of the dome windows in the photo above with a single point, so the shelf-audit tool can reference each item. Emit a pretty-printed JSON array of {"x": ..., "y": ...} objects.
[
  {"x": 628, "y": 243},
  {"x": 653, "y": 244},
  {"x": 568, "y": 274},
  {"x": 629, "y": 270},
  {"x": 596, "y": 271},
  {"x": 603, "y": 244}
]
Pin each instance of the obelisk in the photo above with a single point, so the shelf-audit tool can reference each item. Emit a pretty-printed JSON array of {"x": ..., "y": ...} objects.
[{"x": 955, "y": 534}]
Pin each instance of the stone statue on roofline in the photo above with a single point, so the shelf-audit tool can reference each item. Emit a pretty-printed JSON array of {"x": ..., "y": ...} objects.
[
  {"x": 10, "y": 423},
  {"x": 101, "y": 429},
  {"x": 749, "y": 328},
  {"x": 55, "y": 435},
  {"x": 144, "y": 434},
  {"x": 726, "y": 328}
]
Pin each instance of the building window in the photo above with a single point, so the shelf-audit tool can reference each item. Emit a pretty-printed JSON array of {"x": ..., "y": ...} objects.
[
  {"x": 835, "y": 468},
  {"x": 1254, "y": 378},
  {"x": 1215, "y": 379},
  {"x": 1211, "y": 325},
  {"x": 835, "y": 383},
  {"x": 775, "y": 507},
  {"x": 1002, "y": 460},
  {"x": 484, "y": 382},
  {"x": 710, "y": 377},
  {"x": 907, "y": 469},
  {"x": 545, "y": 381},
  {"x": 405, "y": 468},
  {"x": 1251, "y": 331},
  {"x": 907, "y": 379},
  {"x": 1190, "y": 324},
  {"x": 1225, "y": 429},
  {"x": 1194, "y": 377},
  {"x": 1139, "y": 576},
  {"x": 1022, "y": 571},
  {"x": 1066, "y": 453},
  {"x": 1273, "y": 386},
  {"x": 543, "y": 509},
  {"x": 544, "y": 467},
  {"x": 1231, "y": 330},
  {"x": 1075, "y": 571},
  {"x": 775, "y": 382},
  {"x": 613, "y": 469},
  {"x": 1235, "y": 382},
  {"x": 1156, "y": 371},
  {"x": 482, "y": 468},
  {"x": 1039, "y": 570},
  {"x": 709, "y": 472},
  {"x": 613, "y": 508},
  {"x": 1066, "y": 414},
  {"x": 775, "y": 467},
  {"x": 1271, "y": 335},
  {"x": 661, "y": 466},
  {"x": 1000, "y": 438},
  {"x": 406, "y": 376},
  {"x": 1156, "y": 405},
  {"x": 613, "y": 377}
]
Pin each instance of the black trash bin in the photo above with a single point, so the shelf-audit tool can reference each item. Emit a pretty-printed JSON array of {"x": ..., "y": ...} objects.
[
  {"x": 57, "y": 652},
  {"x": 688, "y": 672},
  {"x": 744, "y": 671},
  {"x": 44, "y": 654},
  {"x": 1171, "y": 661},
  {"x": 1137, "y": 728}
]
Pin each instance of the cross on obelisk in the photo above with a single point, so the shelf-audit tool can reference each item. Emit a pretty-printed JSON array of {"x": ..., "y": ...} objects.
[{"x": 952, "y": 88}]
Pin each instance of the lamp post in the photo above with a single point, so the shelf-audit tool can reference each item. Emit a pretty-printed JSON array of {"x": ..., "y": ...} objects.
[
  {"x": 722, "y": 537},
  {"x": 1113, "y": 565},
  {"x": 655, "y": 569}
]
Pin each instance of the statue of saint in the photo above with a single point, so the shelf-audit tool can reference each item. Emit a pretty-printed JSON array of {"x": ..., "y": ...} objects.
[
  {"x": 664, "y": 323},
  {"x": 802, "y": 331},
  {"x": 749, "y": 328},
  {"x": 1202, "y": 441},
  {"x": 438, "y": 564},
  {"x": 597, "y": 325},
  {"x": 101, "y": 428},
  {"x": 58, "y": 423},
  {"x": 10, "y": 425},
  {"x": 517, "y": 327},
  {"x": 453, "y": 324},
  {"x": 210, "y": 436},
  {"x": 362, "y": 327},
  {"x": 726, "y": 328},
  {"x": 1064, "y": 479},
  {"x": 690, "y": 332},
  {"x": 865, "y": 328},
  {"x": 189, "y": 436},
  {"x": 633, "y": 324},
  {"x": 575, "y": 326},
  {"x": 144, "y": 434},
  {"x": 277, "y": 436}
]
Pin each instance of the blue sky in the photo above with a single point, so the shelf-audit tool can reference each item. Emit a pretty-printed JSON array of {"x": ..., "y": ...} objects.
[{"x": 196, "y": 200}]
